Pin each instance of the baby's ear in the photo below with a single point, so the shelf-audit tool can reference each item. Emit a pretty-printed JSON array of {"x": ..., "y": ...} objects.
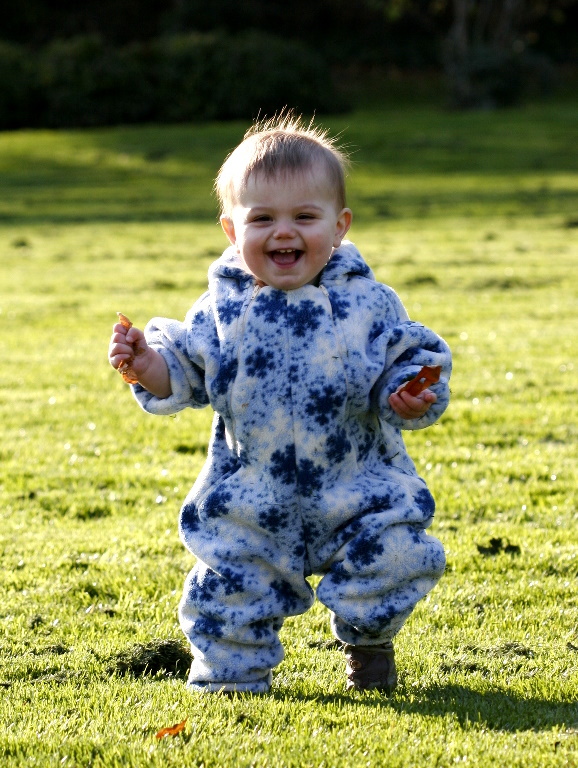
[
  {"x": 229, "y": 229},
  {"x": 342, "y": 228}
]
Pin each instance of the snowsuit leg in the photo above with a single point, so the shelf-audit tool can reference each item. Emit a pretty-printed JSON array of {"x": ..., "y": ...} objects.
[
  {"x": 249, "y": 576},
  {"x": 375, "y": 580},
  {"x": 232, "y": 620}
]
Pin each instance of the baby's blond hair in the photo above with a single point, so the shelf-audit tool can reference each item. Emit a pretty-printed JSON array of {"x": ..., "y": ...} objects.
[{"x": 281, "y": 145}]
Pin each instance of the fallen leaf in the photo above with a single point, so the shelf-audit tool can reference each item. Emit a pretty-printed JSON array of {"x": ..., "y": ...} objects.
[
  {"x": 429, "y": 374},
  {"x": 172, "y": 730}
]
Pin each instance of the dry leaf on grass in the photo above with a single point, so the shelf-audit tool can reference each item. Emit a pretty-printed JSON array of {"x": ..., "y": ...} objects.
[{"x": 172, "y": 730}]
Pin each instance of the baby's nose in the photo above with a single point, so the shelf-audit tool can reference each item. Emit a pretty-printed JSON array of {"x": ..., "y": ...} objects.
[{"x": 284, "y": 228}]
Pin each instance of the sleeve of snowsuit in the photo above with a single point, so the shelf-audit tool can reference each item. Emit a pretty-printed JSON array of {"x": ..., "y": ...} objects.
[
  {"x": 186, "y": 348},
  {"x": 408, "y": 346}
]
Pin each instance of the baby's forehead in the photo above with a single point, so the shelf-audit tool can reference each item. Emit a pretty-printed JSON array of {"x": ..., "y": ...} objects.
[{"x": 312, "y": 181}]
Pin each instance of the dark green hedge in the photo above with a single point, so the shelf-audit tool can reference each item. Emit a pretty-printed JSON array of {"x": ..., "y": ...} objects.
[{"x": 83, "y": 81}]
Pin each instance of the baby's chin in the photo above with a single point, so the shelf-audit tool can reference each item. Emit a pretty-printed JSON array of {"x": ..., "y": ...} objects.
[
  {"x": 284, "y": 281},
  {"x": 289, "y": 285}
]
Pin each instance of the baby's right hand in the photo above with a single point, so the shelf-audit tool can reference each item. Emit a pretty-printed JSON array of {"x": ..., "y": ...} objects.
[{"x": 128, "y": 345}]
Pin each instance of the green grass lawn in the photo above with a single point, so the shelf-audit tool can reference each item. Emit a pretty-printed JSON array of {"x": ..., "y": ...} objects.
[{"x": 473, "y": 218}]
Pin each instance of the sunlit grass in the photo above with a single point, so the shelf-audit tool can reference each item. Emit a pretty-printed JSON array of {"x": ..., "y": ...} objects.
[{"x": 473, "y": 219}]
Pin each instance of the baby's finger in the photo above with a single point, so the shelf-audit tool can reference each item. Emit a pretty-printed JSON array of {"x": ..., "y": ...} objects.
[
  {"x": 419, "y": 402},
  {"x": 135, "y": 336},
  {"x": 129, "y": 336},
  {"x": 409, "y": 407},
  {"x": 117, "y": 360},
  {"x": 119, "y": 329},
  {"x": 119, "y": 338},
  {"x": 115, "y": 349},
  {"x": 399, "y": 406}
]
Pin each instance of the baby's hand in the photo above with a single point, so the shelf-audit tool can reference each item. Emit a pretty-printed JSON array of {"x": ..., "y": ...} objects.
[
  {"x": 409, "y": 407},
  {"x": 128, "y": 349}
]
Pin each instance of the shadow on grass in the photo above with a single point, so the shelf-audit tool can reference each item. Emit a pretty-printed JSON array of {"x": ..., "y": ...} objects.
[
  {"x": 495, "y": 710},
  {"x": 167, "y": 206},
  {"x": 169, "y": 658},
  {"x": 152, "y": 216}
]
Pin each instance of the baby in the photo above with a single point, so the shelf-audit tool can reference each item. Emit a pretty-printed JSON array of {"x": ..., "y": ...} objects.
[{"x": 302, "y": 356}]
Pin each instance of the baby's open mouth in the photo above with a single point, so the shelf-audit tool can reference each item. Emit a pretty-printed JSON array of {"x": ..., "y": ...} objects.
[{"x": 285, "y": 257}]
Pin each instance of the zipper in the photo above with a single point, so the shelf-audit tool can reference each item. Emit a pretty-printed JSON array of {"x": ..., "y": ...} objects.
[
  {"x": 256, "y": 289},
  {"x": 325, "y": 292}
]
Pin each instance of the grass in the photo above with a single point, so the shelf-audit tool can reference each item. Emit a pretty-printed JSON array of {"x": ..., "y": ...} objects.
[{"x": 473, "y": 219}]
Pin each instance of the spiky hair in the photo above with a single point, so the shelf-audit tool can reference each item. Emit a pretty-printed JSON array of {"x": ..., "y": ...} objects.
[{"x": 281, "y": 145}]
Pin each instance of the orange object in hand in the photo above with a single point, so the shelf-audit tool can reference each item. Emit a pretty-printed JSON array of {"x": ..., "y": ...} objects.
[
  {"x": 429, "y": 374},
  {"x": 125, "y": 369}
]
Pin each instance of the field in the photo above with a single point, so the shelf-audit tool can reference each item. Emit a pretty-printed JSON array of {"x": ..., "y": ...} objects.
[{"x": 473, "y": 218}]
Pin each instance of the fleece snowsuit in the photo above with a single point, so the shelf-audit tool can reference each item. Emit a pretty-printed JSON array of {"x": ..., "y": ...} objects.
[{"x": 307, "y": 471}]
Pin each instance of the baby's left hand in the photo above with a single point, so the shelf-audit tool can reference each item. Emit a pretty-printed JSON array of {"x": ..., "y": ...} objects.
[{"x": 409, "y": 407}]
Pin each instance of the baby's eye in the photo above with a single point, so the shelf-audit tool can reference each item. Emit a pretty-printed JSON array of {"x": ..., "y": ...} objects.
[
  {"x": 262, "y": 217},
  {"x": 305, "y": 216}
]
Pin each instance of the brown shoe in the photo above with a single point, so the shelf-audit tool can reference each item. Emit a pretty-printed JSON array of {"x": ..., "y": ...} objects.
[{"x": 371, "y": 666}]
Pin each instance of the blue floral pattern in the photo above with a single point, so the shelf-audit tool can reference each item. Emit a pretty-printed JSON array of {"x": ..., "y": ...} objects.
[{"x": 307, "y": 470}]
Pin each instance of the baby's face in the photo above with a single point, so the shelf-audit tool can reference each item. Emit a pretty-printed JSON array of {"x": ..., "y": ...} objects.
[{"x": 285, "y": 229}]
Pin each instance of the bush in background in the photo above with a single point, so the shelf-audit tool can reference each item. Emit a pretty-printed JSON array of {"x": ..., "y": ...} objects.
[
  {"x": 488, "y": 78},
  {"x": 18, "y": 86},
  {"x": 84, "y": 81}
]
